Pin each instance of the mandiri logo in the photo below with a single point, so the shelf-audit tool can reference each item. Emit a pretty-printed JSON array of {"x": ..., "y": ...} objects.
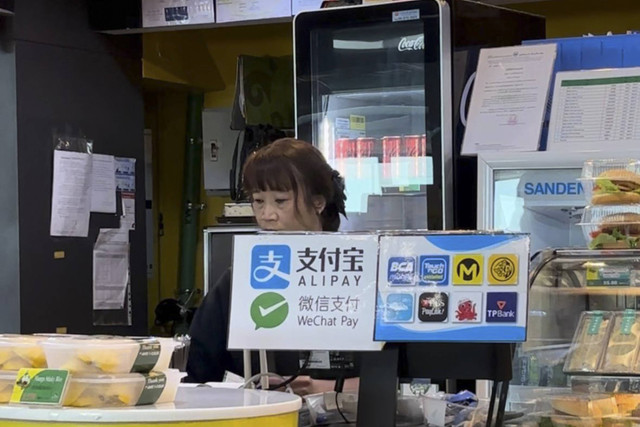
[{"x": 270, "y": 266}]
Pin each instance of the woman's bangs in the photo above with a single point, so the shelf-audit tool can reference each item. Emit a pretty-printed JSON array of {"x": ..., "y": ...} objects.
[{"x": 264, "y": 174}]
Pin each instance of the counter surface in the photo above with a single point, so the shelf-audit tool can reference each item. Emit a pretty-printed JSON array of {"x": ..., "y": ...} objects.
[{"x": 192, "y": 404}]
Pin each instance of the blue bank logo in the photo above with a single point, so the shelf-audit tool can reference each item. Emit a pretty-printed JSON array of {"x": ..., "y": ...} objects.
[
  {"x": 502, "y": 307},
  {"x": 399, "y": 308},
  {"x": 401, "y": 270},
  {"x": 434, "y": 270},
  {"x": 270, "y": 266}
]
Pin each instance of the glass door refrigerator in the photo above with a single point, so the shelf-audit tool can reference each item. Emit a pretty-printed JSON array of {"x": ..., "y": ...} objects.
[
  {"x": 378, "y": 91},
  {"x": 540, "y": 193}
]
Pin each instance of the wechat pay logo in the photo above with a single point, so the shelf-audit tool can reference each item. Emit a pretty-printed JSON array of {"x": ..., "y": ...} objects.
[{"x": 269, "y": 310}]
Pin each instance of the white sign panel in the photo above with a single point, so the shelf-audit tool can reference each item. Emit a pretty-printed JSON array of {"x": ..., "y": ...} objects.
[
  {"x": 509, "y": 98},
  {"x": 304, "y": 292},
  {"x": 595, "y": 109},
  {"x": 162, "y": 13},
  {"x": 247, "y": 10},
  {"x": 453, "y": 287}
]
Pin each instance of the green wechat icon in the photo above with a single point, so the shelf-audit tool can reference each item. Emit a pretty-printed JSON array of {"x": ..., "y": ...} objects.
[{"x": 269, "y": 310}]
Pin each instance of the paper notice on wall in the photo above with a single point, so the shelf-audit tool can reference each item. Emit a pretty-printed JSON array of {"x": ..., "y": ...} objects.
[
  {"x": 128, "y": 218},
  {"x": 110, "y": 269},
  {"x": 509, "y": 99},
  {"x": 125, "y": 173},
  {"x": 71, "y": 195},
  {"x": 103, "y": 184}
]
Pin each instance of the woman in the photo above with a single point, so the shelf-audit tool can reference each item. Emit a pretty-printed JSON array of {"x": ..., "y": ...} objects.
[{"x": 292, "y": 188}]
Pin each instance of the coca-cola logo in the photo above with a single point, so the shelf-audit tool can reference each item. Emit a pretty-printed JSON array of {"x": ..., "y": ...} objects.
[{"x": 411, "y": 43}]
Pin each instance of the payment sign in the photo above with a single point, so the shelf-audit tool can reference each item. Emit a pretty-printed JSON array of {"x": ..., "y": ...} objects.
[
  {"x": 399, "y": 308},
  {"x": 401, "y": 270},
  {"x": 503, "y": 269},
  {"x": 467, "y": 269},
  {"x": 502, "y": 307},
  {"x": 434, "y": 270},
  {"x": 270, "y": 266},
  {"x": 269, "y": 310}
]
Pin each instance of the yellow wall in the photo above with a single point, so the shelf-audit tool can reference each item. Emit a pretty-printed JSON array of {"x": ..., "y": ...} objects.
[
  {"x": 569, "y": 18},
  {"x": 178, "y": 57}
]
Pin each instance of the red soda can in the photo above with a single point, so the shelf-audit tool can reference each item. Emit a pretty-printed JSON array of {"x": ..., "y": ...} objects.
[
  {"x": 412, "y": 149},
  {"x": 423, "y": 145},
  {"x": 345, "y": 147},
  {"x": 391, "y": 146},
  {"x": 364, "y": 147},
  {"x": 412, "y": 145}
]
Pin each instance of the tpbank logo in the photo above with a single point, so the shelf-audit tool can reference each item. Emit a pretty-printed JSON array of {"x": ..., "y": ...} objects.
[
  {"x": 434, "y": 270},
  {"x": 467, "y": 269},
  {"x": 270, "y": 266},
  {"x": 401, "y": 270}
]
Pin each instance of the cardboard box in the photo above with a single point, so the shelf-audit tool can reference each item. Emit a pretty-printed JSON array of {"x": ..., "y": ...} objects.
[{"x": 163, "y": 13}]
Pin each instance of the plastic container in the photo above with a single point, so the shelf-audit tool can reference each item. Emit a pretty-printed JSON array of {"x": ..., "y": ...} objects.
[
  {"x": 555, "y": 420},
  {"x": 7, "y": 380},
  {"x": 621, "y": 353},
  {"x": 442, "y": 413},
  {"x": 611, "y": 227},
  {"x": 113, "y": 355},
  {"x": 21, "y": 351},
  {"x": 585, "y": 405},
  {"x": 589, "y": 342},
  {"x": 101, "y": 391},
  {"x": 611, "y": 182}
]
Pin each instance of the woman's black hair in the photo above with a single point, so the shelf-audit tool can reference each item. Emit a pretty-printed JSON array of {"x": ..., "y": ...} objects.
[{"x": 290, "y": 164}]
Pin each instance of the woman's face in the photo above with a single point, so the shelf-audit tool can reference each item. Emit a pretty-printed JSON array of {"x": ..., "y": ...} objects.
[{"x": 276, "y": 211}]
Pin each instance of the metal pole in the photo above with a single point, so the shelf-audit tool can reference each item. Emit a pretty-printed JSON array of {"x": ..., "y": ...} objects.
[{"x": 190, "y": 204}]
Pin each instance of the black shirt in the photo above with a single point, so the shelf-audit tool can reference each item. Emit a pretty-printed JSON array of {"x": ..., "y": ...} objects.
[{"x": 208, "y": 355}]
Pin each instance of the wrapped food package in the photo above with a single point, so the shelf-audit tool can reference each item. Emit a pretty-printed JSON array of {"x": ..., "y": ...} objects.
[
  {"x": 101, "y": 390},
  {"x": 21, "y": 351},
  {"x": 622, "y": 348},
  {"x": 114, "y": 355},
  {"x": 588, "y": 343}
]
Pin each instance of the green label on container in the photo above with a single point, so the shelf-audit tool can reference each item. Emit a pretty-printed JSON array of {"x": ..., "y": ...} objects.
[
  {"x": 40, "y": 386},
  {"x": 154, "y": 385},
  {"x": 148, "y": 356},
  {"x": 608, "y": 276},
  {"x": 628, "y": 319},
  {"x": 595, "y": 323}
]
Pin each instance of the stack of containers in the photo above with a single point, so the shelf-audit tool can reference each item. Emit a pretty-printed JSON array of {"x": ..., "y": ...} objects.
[
  {"x": 16, "y": 352},
  {"x": 114, "y": 371},
  {"x": 612, "y": 218}
]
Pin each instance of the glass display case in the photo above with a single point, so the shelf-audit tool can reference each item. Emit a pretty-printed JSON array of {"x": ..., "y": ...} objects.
[{"x": 582, "y": 339}]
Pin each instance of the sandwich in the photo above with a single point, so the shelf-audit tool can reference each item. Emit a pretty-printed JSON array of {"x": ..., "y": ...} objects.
[
  {"x": 616, "y": 187},
  {"x": 617, "y": 231}
]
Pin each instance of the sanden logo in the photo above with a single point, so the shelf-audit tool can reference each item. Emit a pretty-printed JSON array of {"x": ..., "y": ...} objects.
[
  {"x": 467, "y": 269},
  {"x": 270, "y": 266}
]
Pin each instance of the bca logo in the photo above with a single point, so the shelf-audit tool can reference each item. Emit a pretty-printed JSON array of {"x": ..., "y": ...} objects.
[
  {"x": 401, "y": 270},
  {"x": 270, "y": 266},
  {"x": 467, "y": 269},
  {"x": 434, "y": 270}
]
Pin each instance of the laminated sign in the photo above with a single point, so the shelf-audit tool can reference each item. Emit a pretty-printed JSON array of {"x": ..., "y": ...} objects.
[
  {"x": 452, "y": 287},
  {"x": 304, "y": 292}
]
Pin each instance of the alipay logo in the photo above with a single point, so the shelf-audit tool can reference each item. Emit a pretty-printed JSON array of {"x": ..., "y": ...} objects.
[
  {"x": 401, "y": 270},
  {"x": 270, "y": 266}
]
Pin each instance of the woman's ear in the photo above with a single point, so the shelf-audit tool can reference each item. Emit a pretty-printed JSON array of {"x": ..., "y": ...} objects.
[{"x": 319, "y": 204}]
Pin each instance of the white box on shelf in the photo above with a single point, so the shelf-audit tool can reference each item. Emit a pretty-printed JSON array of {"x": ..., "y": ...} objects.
[
  {"x": 163, "y": 13},
  {"x": 298, "y": 6},
  {"x": 249, "y": 10}
]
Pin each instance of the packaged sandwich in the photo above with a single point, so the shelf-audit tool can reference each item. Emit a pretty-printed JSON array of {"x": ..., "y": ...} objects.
[
  {"x": 621, "y": 352},
  {"x": 588, "y": 342},
  {"x": 612, "y": 182},
  {"x": 612, "y": 227},
  {"x": 598, "y": 405}
]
